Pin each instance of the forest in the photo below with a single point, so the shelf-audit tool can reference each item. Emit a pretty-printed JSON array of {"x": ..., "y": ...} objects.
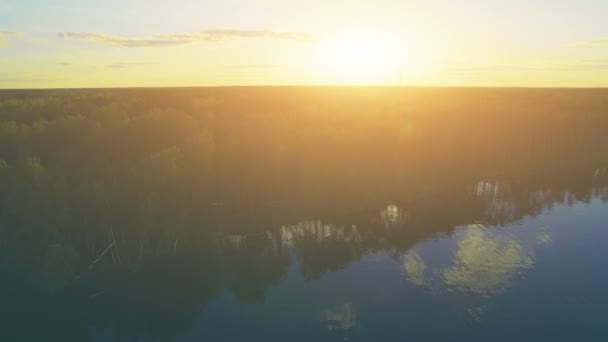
[{"x": 107, "y": 194}]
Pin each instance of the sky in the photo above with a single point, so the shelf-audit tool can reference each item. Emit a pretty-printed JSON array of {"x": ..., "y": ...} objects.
[{"x": 124, "y": 43}]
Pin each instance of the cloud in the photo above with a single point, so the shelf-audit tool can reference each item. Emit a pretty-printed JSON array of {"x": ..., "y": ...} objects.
[
  {"x": 596, "y": 42},
  {"x": 251, "y": 66},
  {"x": 596, "y": 64},
  {"x": 212, "y": 35},
  {"x": 572, "y": 66},
  {"x": 18, "y": 78},
  {"x": 8, "y": 33},
  {"x": 111, "y": 65},
  {"x": 4, "y": 6},
  {"x": 5, "y": 34},
  {"x": 493, "y": 68},
  {"x": 123, "y": 65}
]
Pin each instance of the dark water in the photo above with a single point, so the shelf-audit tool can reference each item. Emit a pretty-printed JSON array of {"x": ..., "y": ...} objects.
[
  {"x": 537, "y": 278},
  {"x": 501, "y": 260},
  {"x": 340, "y": 223}
]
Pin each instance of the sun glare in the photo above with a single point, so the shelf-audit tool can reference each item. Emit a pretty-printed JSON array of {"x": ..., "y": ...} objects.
[{"x": 358, "y": 58}]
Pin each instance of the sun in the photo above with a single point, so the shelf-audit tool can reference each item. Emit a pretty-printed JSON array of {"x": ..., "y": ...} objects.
[{"x": 358, "y": 57}]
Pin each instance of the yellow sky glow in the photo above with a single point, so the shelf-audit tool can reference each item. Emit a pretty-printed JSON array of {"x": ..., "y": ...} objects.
[{"x": 280, "y": 42}]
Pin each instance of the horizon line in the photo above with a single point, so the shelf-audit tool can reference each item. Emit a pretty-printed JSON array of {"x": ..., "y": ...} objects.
[{"x": 310, "y": 86}]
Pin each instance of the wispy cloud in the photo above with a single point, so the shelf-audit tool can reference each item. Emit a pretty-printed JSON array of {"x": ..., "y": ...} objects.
[
  {"x": 4, "y": 5},
  {"x": 251, "y": 66},
  {"x": 212, "y": 35},
  {"x": 595, "y": 64},
  {"x": 491, "y": 68},
  {"x": 572, "y": 66},
  {"x": 123, "y": 65},
  {"x": 18, "y": 78},
  {"x": 594, "y": 42},
  {"x": 112, "y": 65},
  {"x": 5, "y": 34},
  {"x": 8, "y": 33}
]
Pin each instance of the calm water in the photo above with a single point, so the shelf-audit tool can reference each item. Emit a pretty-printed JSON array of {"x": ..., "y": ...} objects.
[
  {"x": 522, "y": 265},
  {"x": 500, "y": 260},
  {"x": 537, "y": 278}
]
